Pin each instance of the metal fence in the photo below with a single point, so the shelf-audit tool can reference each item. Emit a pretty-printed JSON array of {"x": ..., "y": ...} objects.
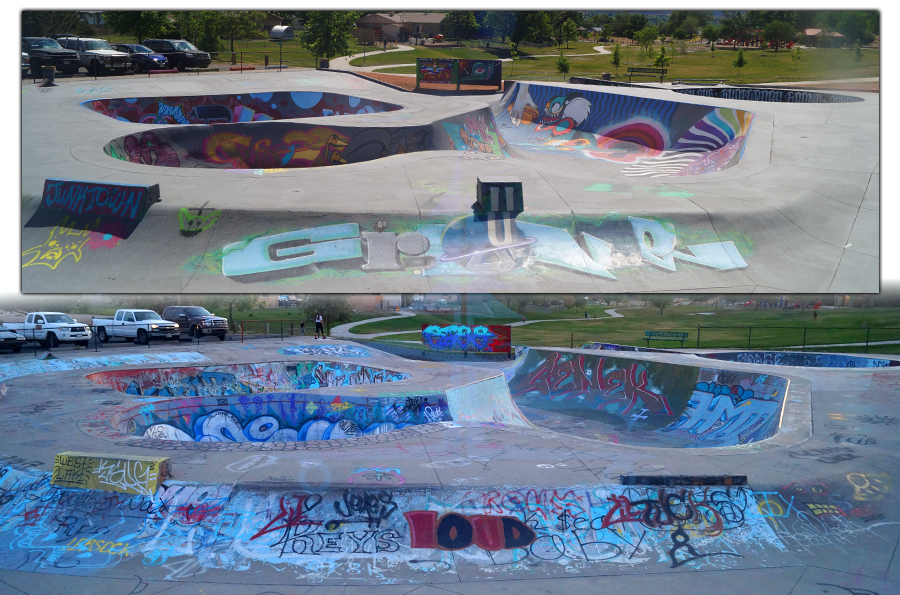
[{"x": 795, "y": 338}]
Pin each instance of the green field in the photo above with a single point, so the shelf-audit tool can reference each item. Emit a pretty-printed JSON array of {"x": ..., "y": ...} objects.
[
  {"x": 697, "y": 63},
  {"x": 742, "y": 326}
]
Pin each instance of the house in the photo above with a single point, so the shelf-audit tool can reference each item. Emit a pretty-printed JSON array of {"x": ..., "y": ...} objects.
[
  {"x": 823, "y": 38},
  {"x": 270, "y": 20},
  {"x": 398, "y": 26},
  {"x": 91, "y": 17}
]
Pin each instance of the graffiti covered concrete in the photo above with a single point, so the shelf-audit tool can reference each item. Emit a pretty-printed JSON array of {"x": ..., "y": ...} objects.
[
  {"x": 27, "y": 367},
  {"x": 383, "y": 533},
  {"x": 805, "y": 359},
  {"x": 649, "y": 137},
  {"x": 669, "y": 404}
]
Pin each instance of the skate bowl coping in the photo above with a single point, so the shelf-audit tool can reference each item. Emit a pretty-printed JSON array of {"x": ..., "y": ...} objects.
[{"x": 805, "y": 359}]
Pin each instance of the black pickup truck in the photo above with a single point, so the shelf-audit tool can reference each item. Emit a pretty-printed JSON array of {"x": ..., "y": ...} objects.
[
  {"x": 180, "y": 53},
  {"x": 198, "y": 321},
  {"x": 43, "y": 51}
]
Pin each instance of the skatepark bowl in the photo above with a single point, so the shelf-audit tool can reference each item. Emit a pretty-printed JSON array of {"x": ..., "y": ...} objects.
[
  {"x": 260, "y": 467},
  {"x": 346, "y": 185},
  {"x": 248, "y": 131},
  {"x": 809, "y": 359}
]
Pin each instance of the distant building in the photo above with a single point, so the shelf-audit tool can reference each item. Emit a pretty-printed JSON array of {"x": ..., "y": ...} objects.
[
  {"x": 396, "y": 26},
  {"x": 822, "y": 38}
]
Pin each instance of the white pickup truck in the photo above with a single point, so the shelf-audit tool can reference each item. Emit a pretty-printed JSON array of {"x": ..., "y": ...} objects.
[
  {"x": 51, "y": 329},
  {"x": 136, "y": 325}
]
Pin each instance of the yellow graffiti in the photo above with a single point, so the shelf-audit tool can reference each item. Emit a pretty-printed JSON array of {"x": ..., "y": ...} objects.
[
  {"x": 100, "y": 546},
  {"x": 839, "y": 416},
  {"x": 869, "y": 486},
  {"x": 341, "y": 406},
  {"x": 62, "y": 243}
]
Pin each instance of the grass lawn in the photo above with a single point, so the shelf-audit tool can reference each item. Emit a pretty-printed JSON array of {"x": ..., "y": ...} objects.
[
  {"x": 830, "y": 326},
  {"x": 698, "y": 62}
]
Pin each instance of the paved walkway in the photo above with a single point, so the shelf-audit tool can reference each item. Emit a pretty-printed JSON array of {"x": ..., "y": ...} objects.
[{"x": 343, "y": 331}]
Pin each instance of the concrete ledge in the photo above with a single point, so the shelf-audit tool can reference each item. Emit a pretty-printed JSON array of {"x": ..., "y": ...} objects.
[{"x": 128, "y": 474}]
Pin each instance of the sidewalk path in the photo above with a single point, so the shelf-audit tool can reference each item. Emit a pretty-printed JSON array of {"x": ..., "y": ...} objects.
[{"x": 343, "y": 331}]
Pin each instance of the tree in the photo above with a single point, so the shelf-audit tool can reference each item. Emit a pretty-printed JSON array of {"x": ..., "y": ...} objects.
[
  {"x": 690, "y": 25},
  {"x": 569, "y": 31},
  {"x": 857, "y": 52},
  {"x": 778, "y": 32},
  {"x": 711, "y": 34},
  {"x": 532, "y": 26},
  {"x": 43, "y": 23},
  {"x": 232, "y": 301},
  {"x": 563, "y": 65},
  {"x": 240, "y": 24},
  {"x": 636, "y": 22},
  {"x": 327, "y": 32},
  {"x": 662, "y": 60},
  {"x": 661, "y": 301},
  {"x": 461, "y": 21},
  {"x": 736, "y": 25},
  {"x": 853, "y": 24},
  {"x": 646, "y": 36},
  {"x": 335, "y": 309},
  {"x": 616, "y": 58},
  {"x": 740, "y": 61},
  {"x": 500, "y": 22},
  {"x": 143, "y": 24},
  {"x": 795, "y": 56},
  {"x": 514, "y": 55}
]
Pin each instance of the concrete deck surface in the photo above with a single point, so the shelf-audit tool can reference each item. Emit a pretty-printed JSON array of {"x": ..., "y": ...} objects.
[
  {"x": 817, "y": 514},
  {"x": 802, "y": 204}
]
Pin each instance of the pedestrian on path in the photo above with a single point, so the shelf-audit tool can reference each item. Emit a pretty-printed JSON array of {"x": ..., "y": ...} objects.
[
  {"x": 302, "y": 328},
  {"x": 320, "y": 325}
]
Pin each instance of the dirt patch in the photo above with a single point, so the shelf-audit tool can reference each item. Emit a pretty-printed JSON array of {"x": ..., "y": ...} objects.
[{"x": 409, "y": 84}]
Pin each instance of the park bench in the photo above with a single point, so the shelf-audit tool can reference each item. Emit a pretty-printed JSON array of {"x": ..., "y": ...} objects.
[
  {"x": 660, "y": 72},
  {"x": 664, "y": 336}
]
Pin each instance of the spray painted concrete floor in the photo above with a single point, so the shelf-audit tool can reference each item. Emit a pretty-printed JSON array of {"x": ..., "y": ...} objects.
[
  {"x": 796, "y": 210},
  {"x": 479, "y": 502}
]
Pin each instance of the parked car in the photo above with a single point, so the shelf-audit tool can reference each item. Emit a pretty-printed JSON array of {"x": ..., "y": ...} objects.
[
  {"x": 181, "y": 54},
  {"x": 10, "y": 339},
  {"x": 97, "y": 56},
  {"x": 136, "y": 325},
  {"x": 26, "y": 63},
  {"x": 44, "y": 51},
  {"x": 199, "y": 321},
  {"x": 52, "y": 328},
  {"x": 142, "y": 58}
]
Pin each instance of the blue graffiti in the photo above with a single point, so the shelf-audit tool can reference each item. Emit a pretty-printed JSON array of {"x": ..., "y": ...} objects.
[{"x": 458, "y": 338}]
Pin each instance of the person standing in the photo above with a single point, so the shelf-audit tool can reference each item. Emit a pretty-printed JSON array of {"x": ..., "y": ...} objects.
[{"x": 320, "y": 325}]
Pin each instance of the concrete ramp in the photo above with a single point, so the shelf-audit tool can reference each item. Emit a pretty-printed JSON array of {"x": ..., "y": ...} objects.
[
  {"x": 654, "y": 403},
  {"x": 646, "y": 136}
]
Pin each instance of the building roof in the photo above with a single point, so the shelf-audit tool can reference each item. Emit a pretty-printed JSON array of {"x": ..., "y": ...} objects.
[
  {"x": 420, "y": 17},
  {"x": 819, "y": 31}
]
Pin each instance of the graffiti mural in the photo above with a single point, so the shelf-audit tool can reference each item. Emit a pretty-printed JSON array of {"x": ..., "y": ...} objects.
[
  {"x": 806, "y": 359},
  {"x": 367, "y": 533},
  {"x": 278, "y": 417},
  {"x": 227, "y": 109},
  {"x": 266, "y": 145},
  {"x": 332, "y": 350},
  {"x": 688, "y": 407},
  {"x": 776, "y": 95},
  {"x": 28, "y": 367},
  {"x": 440, "y": 71},
  {"x": 461, "y": 337},
  {"x": 114, "y": 209},
  {"x": 235, "y": 379},
  {"x": 649, "y": 137},
  {"x": 481, "y": 72}
]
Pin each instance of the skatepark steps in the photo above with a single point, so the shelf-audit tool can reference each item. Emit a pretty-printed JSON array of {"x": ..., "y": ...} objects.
[{"x": 126, "y": 474}]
